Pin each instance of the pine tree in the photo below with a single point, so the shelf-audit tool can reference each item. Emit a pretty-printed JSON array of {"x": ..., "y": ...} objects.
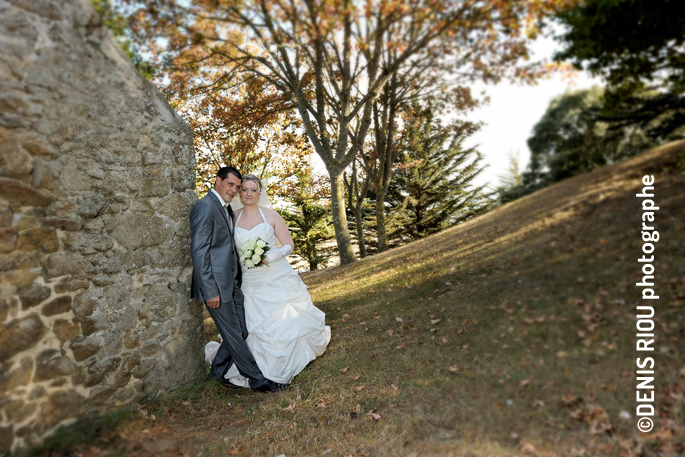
[{"x": 435, "y": 186}]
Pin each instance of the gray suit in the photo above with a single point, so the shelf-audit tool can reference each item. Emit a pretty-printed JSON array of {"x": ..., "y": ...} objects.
[{"x": 216, "y": 273}]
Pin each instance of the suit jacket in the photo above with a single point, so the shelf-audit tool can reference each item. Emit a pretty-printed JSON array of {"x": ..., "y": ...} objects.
[{"x": 216, "y": 270}]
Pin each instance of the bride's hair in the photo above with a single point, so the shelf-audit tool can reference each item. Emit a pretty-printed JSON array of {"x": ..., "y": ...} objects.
[{"x": 254, "y": 178}]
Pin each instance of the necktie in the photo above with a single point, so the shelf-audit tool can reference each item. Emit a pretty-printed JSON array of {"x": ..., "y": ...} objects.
[{"x": 230, "y": 212}]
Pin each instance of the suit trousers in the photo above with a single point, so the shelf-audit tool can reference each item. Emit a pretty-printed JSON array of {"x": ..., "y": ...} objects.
[{"x": 230, "y": 320}]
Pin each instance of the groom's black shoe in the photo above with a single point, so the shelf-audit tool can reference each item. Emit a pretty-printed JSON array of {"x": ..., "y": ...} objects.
[
  {"x": 270, "y": 387},
  {"x": 223, "y": 382}
]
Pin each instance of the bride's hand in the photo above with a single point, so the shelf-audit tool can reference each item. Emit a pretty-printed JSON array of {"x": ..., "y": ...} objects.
[{"x": 265, "y": 262}]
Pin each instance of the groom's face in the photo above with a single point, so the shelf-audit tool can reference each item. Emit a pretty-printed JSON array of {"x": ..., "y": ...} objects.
[{"x": 227, "y": 188}]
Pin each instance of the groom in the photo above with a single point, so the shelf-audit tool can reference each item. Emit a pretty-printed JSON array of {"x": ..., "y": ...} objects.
[{"x": 216, "y": 279}]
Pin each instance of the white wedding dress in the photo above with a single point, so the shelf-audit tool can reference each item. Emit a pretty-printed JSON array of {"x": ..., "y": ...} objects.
[{"x": 286, "y": 330}]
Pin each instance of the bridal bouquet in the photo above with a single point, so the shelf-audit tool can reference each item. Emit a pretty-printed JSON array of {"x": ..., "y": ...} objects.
[{"x": 253, "y": 252}]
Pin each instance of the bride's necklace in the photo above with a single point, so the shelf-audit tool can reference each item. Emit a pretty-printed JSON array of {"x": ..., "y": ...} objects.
[{"x": 250, "y": 218}]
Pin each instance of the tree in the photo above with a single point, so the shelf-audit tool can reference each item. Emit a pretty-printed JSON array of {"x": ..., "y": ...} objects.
[
  {"x": 511, "y": 181},
  {"x": 325, "y": 56},
  {"x": 245, "y": 126},
  {"x": 358, "y": 184},
  {"x": 309, "y": 215},
  {"x": 435, "y": 188},
  {"x": 571, "y": 139},
  {"x": 637, "y": 47}
]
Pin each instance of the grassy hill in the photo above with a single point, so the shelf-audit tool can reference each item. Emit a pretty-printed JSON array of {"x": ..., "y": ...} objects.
[{"x": 511, "y": 334}]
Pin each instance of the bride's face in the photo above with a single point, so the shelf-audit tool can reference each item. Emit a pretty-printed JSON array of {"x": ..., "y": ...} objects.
[{"x": 249, "y": 193}]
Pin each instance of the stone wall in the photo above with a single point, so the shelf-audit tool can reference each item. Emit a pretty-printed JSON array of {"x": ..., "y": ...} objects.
[{"x": 96, "y": 183}]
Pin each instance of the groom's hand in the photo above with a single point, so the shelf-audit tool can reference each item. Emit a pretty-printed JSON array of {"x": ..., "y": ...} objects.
[{"x": 215, "y": 302}]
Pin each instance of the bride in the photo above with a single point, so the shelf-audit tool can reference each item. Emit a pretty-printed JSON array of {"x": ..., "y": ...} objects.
[{"x": 286, "y": 331}]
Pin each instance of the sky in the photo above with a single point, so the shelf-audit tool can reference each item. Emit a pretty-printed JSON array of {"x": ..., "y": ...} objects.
[{"x": 512, "y": 112}]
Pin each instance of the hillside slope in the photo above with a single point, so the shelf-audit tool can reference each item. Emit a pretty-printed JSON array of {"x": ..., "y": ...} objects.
[{"x": 511, "y": 334}]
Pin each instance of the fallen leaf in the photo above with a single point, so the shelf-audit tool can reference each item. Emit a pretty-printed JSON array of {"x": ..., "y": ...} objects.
[
  {"x": 375, "y": 416},
  {"x": 569, "y": 401},
  {"x": 398, "y": 319},
  {"x": 186, "y": 403},
  {"x": 435, "y": 321},
  {"x": 466, "y": 346},
  {"x": 344, "y": 370},
  {"x": 444, "y": 341},
  {"x": 528, "y": 320},
  {"x": 359, "y": 388},
  {"x": 356, "y": 377},
  {"x": 401, "y": 346},
  {"x": 290, "y": 408},
  {"x": 390, "y": 332},
  {"x": 321, "y": 404},
  {"x": 578, "y": 415},
  {"x": 527, "y": 448},
  {"x": 454, "y": 368},
  {"x": 587, "y": 342},
  {"x": 234, "y": 450},
  {"x": 394, "y": 387},
  {"x": 525, "y": 383}
]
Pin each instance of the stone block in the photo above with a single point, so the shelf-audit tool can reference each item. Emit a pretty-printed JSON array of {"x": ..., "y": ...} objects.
[
  {"x": 85, "y": 243},
  {"x": 38, "y": 148},
  {"x": 64, "y": 223},
  {"x": 50, "y": 364},
  {"x": 19, "y": 261},
  {"x": 19, "y": 335},
  {"x": 18, "y": 194},
  {"x": 5, "y": 217},
  {"x": 65, "y": 330},
  {"x": 94, "y": 226},
  {"x": 134, "y": 231},
  {"x": 8, "y": 239},
  {"x": 68, "y": 284},
  {"x": 19, "y": 377},
  {"x": 6, "y": 439},
  {"x": 8, "y": 305},
  {"x": 59, "y": 264},
  {"x": 85, "y": 348},
  {"x": 18, "y": 410},
  {"x": 154, "y": 187},
  {"x": 90, "y": 205},
  {"x": 42, "y": 239},
  {"x": 58, "y": 305},
  {"x": 45, "y": 174},
  {"x": 33, "y": 295},
  {"x": 60, "y": 405},
  {"x": 14, "y": 161},
  {"x": 98, "y": 370}
]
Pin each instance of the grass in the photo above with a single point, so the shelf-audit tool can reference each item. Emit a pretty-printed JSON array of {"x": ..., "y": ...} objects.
[{"x": 512, "y": 334}]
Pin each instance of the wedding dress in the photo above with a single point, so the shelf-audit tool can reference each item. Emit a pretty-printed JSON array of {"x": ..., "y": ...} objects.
[{"x": 286, "y": 330}]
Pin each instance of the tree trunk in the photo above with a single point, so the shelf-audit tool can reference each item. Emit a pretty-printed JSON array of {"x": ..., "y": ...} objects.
[
  {"x": 380, "y": 222},
  {"x": 360, "y": 230},
  {"x": 342, "y": 232}
]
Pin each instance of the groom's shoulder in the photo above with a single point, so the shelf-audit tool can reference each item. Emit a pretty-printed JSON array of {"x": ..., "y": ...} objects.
[{"x": 204, "y": 202}]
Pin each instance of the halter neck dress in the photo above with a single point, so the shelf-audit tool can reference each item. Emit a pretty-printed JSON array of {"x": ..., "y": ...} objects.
[{"x": 286, "y": 330}]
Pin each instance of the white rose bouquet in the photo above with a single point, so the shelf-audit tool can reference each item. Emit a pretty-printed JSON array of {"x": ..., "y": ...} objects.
[{"x": 253, "y": 252}]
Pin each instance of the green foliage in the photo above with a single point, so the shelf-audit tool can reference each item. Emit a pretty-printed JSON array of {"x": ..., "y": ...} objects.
[
  {"x": 511, "y": 181},
  {"x": 115, "y": 21},
  {"x": 637, "y": 46},
  {"x": 571, "y": 138},
  {"x": 434, "y": 187},
  {"x": 312, "y": 221}
]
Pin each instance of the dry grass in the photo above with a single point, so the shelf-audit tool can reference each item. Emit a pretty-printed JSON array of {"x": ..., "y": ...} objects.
[{"x": 465, "y": 343}]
